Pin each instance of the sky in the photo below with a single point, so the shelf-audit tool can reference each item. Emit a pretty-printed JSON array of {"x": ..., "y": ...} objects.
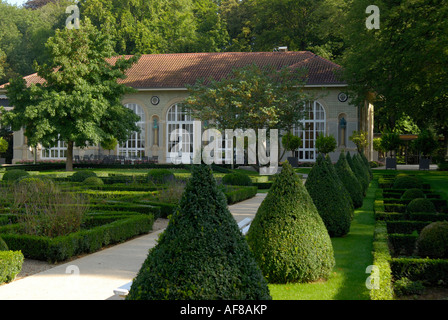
[{"x": 17, "y": 2}]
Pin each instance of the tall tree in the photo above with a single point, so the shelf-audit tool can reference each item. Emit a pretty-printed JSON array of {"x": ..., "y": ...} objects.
[
  {"x": 80, "y": 101},
  {"x": 403, "y": 63}
]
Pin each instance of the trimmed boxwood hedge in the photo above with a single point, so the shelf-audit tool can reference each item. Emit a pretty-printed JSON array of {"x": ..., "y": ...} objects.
[
  {"x": 234, "y": 195},
  {"x": 431, "y": 271},
  {"x": 10, "y": 265},
  {"x": 85, "y": 241},
  {"x": 237, "y": 179}
]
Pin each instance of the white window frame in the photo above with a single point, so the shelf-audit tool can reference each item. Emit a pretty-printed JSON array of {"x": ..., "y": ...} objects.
[
  {"x": 58, "y": 151},
  {"x": 312, "y": 125},
  {"x": 135, "y": 145}
]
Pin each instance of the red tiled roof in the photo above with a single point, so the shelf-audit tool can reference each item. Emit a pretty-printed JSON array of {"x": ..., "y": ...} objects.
[{"x": 157, "y": 71}]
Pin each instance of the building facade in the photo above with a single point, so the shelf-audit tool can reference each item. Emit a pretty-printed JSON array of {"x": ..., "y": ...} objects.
[{"x": 161, "y": 83}]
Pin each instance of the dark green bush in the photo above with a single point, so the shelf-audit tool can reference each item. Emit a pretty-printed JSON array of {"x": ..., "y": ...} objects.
[
  {"x": 420, "y": 205},
  {"x": 160, "y": 176},
  {"x": 327, "y": 195},
  {"x": 3, "y": 246},
  {"x": 359, "y": 172},
  {"x": 349, "y": 180},
  {"x": 412, "y": 194},
  {"x": 13, "y": 175},
  {"x": 237, "y": 194},
  {"x": 361, "y": 169},
  {"x": 237, "y": 179},
  {"x": 407, "y": 182},
  {"x": 433, "y": 241},
  {"x": 80, "y": 176},
  {"x": 93, "y": 181},
  {"x": 10, "y": 265},
  {"x": 404, "y": 287},
  {"x": 202, "y": 253},
  {"x": 287, "y": 235},
  {"x": 431, "y": 271}
]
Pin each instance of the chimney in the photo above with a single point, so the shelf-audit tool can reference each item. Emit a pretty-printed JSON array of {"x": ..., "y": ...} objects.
[{"x": 282, "y": 49}]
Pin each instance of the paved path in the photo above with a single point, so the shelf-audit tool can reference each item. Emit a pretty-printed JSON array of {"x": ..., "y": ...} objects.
[{"x": 95, "y": 276}]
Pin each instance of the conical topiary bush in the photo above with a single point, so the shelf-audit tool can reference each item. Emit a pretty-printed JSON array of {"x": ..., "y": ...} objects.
[
  {"x": 349, "y": 180},
  {"x": 202, "y": 254},
  {"x": 358, "y": 173},
  {"x": 363, "y": 171},
  {"x": 288, "y": 237},
  {"x": 342, "y": 189},
  {"x": 326, "y": 193},
  {"x": 366, "y": 164}
]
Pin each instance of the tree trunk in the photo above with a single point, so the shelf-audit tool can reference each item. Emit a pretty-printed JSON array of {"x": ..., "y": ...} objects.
[{"x": 69, "y": 161}]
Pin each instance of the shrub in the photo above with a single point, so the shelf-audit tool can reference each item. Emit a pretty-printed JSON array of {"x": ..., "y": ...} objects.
[
  {"x": 407, "y": 182},
  {"x": 10, "y": 265},
  {"x": 13, "y": 175},
  {"x": 202, "y": 253},
  {"x": 325, "y": 144},
  {"x": 419, "y": 205},
  {"x": 237, "y": 179},
  {"x": 160, "y": 176},
  {"x": 404, "y": 287},
  {"x": 80, "y": 176},
  {"x": 93, "y": 181},
  {"x": 359, "y": 174},
  {"x": 349, "y": 180},
  {"x": 412, "y": 194},
  {"x": 3, "y": 246},
  {"x": 326, "y": 193},
  {"x": 287, "y": 235},
  {"x": 433, "y": 241},
  {"x": 361, "y": 170}
]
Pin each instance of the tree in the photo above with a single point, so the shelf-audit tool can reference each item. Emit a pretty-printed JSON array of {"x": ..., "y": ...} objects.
[
  {"x": 109, "y": 144},
  {"x": 80, "y": 101},
  {"x": 426, "y": 143},
  {"x": 359, "y": 138},
  {"x": 3, "y": 145},
  {"x": 390, "y": 141},
  {"x": 290, "y": 142},
  {"x": 325, "y": 144},
  {"x": 288, "y": 237},
  {"x": 202, "y": 255}
]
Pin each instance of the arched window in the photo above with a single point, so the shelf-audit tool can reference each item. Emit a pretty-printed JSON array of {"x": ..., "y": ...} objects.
[
  {"x": 182, "y": 144},
  {"x": 312, "y": 126},
  {"x": 135, "y": 146}
]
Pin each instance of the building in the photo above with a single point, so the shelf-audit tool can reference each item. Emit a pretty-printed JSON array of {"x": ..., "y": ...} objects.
[{"x": 161, "y": 80}]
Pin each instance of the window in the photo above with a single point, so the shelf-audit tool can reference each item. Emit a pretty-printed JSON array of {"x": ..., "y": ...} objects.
[
  {"x": 179, "y": 119},
  {"x": 135, "y": 146},
  {"x": 312, "y": 126},
  {"x": 58, "y": 151}
]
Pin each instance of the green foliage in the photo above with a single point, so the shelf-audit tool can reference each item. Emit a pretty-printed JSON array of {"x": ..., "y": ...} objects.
[
  {"x": 359, "y": 138},
  {"x": 426, "y": 143},
  {"x": 3, "y": 145},
  {"x": 3, "y": 245},
  {"x": 325, "y": 144},
  {"x": 291, "y": 142},
  {"x": 287, "y": 235},
  {"x": 404, "y": 287},
  {"x": 433, "y": 241},
  {"x": 390, "y": 141},
  {"x": 85, "y": 79},
  {"x": 237, "y": 194},
  {"x": 201, "y": 254},
  {"x": 407, "y": 182},
  {"x": 10, "y": 265},
  {"x": 160, "y": 176},
  {"x": 412, "y": 194},
  {"x": 327, "y": 194},
  {"x": 251, "y": 97},
  {"x": 237, "y": 179},
  {"x": 109, "y": 143},
  {"x": 80, "y": 176},
  {"x": 359, "y": 170},
  {"x": 349, "y": 180},
  {"x": 420, "y": 205},
  {"x": 93, "y": 181},
  {"x": 15, "y": 174}
]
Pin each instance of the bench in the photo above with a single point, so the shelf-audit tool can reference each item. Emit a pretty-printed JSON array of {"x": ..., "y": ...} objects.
[{"x": 123, "y": 291}]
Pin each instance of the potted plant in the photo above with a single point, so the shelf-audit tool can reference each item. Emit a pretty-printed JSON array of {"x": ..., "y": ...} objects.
[
  {"x": 390, "y": 141},
  {"x": 291, "y": 143},
  {"x": 425, "y": 144}
]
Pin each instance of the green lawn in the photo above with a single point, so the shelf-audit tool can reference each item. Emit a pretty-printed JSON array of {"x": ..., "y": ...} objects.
[{"x": 352, "y": 254}]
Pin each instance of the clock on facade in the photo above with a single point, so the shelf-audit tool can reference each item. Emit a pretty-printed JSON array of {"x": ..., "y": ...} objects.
[
  {"x": 342, "y": 97},
  {"x": 155, "y": 100}
]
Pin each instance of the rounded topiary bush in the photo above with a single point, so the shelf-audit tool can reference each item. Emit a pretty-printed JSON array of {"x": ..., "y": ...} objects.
[
  {"x": 433, "y": 241},
  {"x": 237, "y": 179},
  {"x": 201, "y": 255},
  {"x": 288, "y": 237},
  {"x": 160, "y": 176},
  {"x": 93, "y": 181},
  {"x": 412, "y": 194},
  {"x": 420, "y": 205},
  {"x": 3, "y": 245},
  {"x": 80, "y": 176},
  {"x": 406, "y": 182},
  {"x": 349, "y": 180},
  {"x": 328, "y": 197},
  {"x": 15, "y": 174}
]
